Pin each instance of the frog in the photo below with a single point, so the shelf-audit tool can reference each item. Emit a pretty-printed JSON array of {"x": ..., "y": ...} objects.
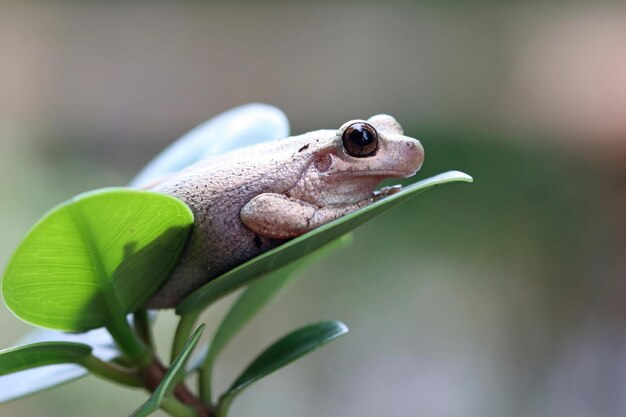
[{"x": 253, "y": 199}]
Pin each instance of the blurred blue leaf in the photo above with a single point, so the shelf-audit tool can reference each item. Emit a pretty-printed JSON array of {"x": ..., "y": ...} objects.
[{"x": 242, "y": 126}]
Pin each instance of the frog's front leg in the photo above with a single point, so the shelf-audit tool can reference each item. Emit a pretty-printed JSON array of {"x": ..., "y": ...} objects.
[{"x": 280, "y": 217}]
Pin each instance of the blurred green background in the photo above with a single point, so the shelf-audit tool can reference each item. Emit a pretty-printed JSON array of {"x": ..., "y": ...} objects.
[{"x": 505, "y": 297}]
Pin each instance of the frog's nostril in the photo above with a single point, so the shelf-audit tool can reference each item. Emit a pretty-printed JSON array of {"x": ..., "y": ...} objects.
[{"x": 418, "y": 153}]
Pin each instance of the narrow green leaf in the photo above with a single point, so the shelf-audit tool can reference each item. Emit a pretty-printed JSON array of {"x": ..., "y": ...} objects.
[
  {"x": 253, "y": 299},
  {"x": 38, "y": 379},
  {"x": 283, "y": 352},
  {"x": 99, "y": 255},
  {"x": 300, "y": 246},
  {"x": 261, "y": 292},
  {"x": 31, "y": 368},
  {"x": 41, "y": 354},
  {"x": 172, "y": 377}
]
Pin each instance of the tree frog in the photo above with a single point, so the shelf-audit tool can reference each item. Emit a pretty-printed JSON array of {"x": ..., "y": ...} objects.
[{"x": 250, "y": 200}]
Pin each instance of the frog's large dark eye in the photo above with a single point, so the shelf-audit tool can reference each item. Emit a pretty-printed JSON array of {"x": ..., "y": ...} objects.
[{"x": 360, "y": 139}]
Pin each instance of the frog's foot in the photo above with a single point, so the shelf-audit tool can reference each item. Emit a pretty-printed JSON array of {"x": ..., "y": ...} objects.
[
  {"x": 386, "y": 192},
  {"x": 280, "y": 217}
]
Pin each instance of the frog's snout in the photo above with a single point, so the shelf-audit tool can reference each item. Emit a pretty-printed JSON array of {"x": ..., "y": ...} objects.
[{"x": 413, "y": 155}]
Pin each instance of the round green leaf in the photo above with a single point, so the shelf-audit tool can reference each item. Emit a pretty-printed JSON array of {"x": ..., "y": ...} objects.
[
  {"x": 302, "y": 245},
  {"x": 99, "y": 255}
]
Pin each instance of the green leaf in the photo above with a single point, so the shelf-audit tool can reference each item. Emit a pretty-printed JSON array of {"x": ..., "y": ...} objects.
[
  {"x": 172, "y": 377},
  {"x": 41, "y": 354},
  {"x": 261, "y": 292},
  {"x": 283, "y": 352},
  {"x": 35, "y": 367},
  {"x": 300, "y": 246},
  {"x": 254, "y": 298},
  {"x": 99, "y": 255},
  {"x": 38, "y": 379}
]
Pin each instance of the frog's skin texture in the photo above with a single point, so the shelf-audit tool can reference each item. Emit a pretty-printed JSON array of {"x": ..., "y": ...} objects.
[{"x": 253, "y": 199}]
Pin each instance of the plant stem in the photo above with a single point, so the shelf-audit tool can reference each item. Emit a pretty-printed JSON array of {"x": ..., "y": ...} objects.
[
  {"x": 183, "y": 331},
  {"x": 205, "y": 375},
  {"x": 224, "y": 406},
  {"x": 152, "y": 378},
  {"x": 143, "y": 328},
  {"x": 177, "y": 409},
  {"x": 129, "y": 342},
  {"x": 112, "y": 372}
]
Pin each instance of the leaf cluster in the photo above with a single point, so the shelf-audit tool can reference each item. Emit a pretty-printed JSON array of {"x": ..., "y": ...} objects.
[{"x": 94, "y": 261}]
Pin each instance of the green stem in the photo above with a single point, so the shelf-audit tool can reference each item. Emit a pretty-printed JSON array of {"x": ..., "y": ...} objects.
[
  {"x": 205, "y": 379},
  {"x": 183, "y": 331},
  {"x": 143, "y": 328},
  {"x": 112, "y": 372},
  {"x": 224, "y": 405},
  {"x": 177, "y": 409},
  {"x": 185, "y": 326},
  {"x": 129, "y": 342}
]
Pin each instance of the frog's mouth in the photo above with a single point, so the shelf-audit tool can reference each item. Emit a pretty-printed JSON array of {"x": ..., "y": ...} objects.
[{"x": 382, "y": 173}]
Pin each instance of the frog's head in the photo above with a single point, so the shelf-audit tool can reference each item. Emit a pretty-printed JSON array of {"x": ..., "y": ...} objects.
[{"x": 357, "y": 157}]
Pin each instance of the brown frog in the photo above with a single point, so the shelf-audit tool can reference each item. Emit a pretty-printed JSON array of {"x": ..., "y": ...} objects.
[{"x": 250, "y": 200}]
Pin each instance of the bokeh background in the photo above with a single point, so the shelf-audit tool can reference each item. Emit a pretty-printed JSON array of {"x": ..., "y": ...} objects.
[{"x": 506, "y": 297}]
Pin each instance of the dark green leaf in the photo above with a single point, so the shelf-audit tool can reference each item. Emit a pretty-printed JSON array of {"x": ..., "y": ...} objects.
[
  {"x": 261, "y": 292},
  {"x": 34, "y": 380},
  {"x": 101, "y": 254},
  {"x": 300, "y": 246},
  {"x": 172, "y": 377},
  {"x": 283, "y": 352},
  {"x": 41, "y": 354},
  {"x": 253, "y": 299}
]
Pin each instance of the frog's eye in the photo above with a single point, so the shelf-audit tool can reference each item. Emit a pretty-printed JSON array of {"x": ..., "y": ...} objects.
[{"x": 360, "y": 139}]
